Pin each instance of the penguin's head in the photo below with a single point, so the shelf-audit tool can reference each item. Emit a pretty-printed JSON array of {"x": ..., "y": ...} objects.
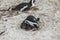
[
  {"x": 32, "y": 18},
  {"x": 32, "y": 2}
]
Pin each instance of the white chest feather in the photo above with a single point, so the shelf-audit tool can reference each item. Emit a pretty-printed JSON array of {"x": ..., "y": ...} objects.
[
  {"x": 24, "y": 8},
  {"x": 31, "y": 23}
]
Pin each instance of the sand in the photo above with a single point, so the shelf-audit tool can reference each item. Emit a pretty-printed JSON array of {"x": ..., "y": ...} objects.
[{"x": 49, "y": 14}]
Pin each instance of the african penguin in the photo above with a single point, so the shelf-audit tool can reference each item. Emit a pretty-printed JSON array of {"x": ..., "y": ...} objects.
[
  {"x": 30, "y": 23},
  {"x": 24, "y": 6}
]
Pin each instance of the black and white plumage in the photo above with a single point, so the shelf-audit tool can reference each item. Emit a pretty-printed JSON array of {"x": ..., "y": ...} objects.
[
  {"x": 24, "y": 6},
  {"x": 30, "y": 23}
]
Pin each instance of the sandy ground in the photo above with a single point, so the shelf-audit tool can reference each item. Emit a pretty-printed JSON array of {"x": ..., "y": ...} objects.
[{"x": 49, "y": 14}]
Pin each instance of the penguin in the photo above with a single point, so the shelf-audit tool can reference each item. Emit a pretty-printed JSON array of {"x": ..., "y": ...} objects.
[
  {"x": 30, "y": 23},
  {"x": 25, "y": 6}
]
